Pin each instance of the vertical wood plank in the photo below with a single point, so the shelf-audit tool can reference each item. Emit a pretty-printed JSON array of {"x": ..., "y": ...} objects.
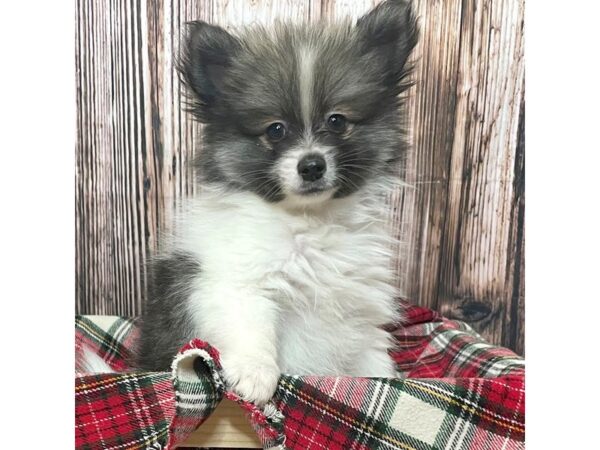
[
  {"x": 112, "y": 152},
  {"x": 514, "y": 334},
  {"x": 233, "y": 13},
  {"x": 477, "y": 274},
  {"x": 339, "y": 9},
  {"x": 431, "y": 113}
]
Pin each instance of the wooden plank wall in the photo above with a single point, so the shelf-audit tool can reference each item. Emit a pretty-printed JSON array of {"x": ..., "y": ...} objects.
[{"x": 461, "y": 221}]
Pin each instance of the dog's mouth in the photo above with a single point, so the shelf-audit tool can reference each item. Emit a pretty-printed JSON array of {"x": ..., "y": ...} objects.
[
  {"x": 311, "y": 193},
  {"x": 314, "y": 188}
]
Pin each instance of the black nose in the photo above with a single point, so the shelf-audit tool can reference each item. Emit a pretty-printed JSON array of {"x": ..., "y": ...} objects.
[{"x": 312, "y": 167}]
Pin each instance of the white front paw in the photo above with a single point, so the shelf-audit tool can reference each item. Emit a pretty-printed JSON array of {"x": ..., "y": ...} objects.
[{"x": 254, "y": 378}]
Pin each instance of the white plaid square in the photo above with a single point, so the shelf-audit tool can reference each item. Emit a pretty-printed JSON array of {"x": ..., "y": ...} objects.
[{"x": 416, "y": 418}]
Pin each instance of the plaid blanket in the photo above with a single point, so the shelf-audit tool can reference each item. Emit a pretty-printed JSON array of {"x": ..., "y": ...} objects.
[{"x": 456, "y": 392}]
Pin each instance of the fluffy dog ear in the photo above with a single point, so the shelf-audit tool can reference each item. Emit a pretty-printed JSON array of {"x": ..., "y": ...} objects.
[
  {"x": 206, "y": 54},
  {"x": 387, "y": 35}
]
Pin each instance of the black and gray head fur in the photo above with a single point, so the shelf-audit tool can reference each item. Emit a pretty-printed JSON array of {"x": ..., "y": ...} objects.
[{"x": 305, "y": 111}]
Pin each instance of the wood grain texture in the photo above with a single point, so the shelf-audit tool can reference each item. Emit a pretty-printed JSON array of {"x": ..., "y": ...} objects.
[
  {"x": 227, "y": 427},
  {"x": 461, "y": 220},
  {"x": 466, "y": 169}
]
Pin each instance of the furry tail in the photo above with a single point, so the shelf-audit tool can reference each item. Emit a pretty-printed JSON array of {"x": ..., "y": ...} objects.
[{"x": 91, "y": 363}]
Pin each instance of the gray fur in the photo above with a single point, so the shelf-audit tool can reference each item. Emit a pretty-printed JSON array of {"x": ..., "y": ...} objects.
[{"x": 164, "y": 327}]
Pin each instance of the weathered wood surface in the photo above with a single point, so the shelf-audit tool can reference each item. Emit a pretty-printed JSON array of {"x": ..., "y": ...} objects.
[{"x": 461, "y": 222}]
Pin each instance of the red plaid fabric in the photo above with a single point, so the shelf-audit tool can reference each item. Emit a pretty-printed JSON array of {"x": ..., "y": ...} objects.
[
  {"x": 131, "y": 411},
  {"x": 457, "y": 392}
]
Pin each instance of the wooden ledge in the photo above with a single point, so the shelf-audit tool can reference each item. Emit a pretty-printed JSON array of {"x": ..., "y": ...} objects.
[{"x": 227, "y": 427}]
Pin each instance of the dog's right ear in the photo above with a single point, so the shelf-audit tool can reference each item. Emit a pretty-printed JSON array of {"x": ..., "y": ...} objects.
[
  {"x": 388, "y": 35},
  {"x": 206, "y": 54}
]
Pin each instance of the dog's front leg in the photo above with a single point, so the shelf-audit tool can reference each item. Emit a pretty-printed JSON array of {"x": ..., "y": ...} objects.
[{"x": 241, "y": 323}]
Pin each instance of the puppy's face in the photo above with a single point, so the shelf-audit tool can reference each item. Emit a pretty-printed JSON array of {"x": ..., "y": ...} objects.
[{"x": 301, "y": 114}]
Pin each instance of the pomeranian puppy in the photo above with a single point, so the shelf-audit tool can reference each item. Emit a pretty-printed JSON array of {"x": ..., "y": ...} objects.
[{"x": 283, "y": 260}]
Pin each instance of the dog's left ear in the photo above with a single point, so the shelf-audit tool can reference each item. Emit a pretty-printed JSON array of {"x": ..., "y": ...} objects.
[
  {"x": 387, "y": 35},
  {"x": 206, "y": 54}
]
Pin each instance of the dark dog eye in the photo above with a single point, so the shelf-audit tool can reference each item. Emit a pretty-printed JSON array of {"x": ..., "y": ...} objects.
[
  {"x": 337, "y": 123},
  {"x": 276, "y": 131}
]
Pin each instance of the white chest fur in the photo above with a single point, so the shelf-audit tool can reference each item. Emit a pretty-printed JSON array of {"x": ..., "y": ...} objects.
[{"x": 323, "y": 276}]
